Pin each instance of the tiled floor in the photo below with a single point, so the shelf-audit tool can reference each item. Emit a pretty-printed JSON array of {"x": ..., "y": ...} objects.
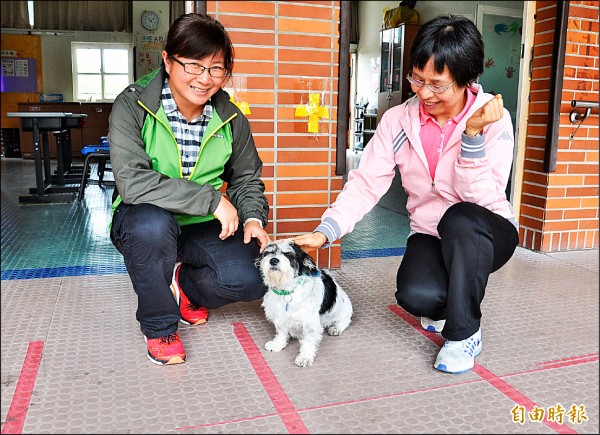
[{"x": 73, "y": 358}]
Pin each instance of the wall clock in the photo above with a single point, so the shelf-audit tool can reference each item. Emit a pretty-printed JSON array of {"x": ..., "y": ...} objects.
[{"x": 150, "y": 20}]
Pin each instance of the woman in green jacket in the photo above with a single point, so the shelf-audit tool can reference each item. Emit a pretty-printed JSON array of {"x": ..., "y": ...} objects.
[{"x": 189, "y": 198}]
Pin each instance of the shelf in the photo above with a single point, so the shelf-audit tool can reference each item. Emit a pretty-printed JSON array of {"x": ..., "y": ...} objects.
[
  {"x": 364, "y": 128},
  {"x": 370, "y": 122}
]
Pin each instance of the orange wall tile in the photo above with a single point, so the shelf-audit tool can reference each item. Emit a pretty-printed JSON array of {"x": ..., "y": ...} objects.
[
  {"x": 255, "y": 53},
  {"x": 300, "y": 212},
  {"x": 286, "y": 9},
  {"x": 239, "y": 37},
  {"x": 302, "y": 185},
  {"x": 302, "y": 171},
  {"x": 296, "y": 227},
  {"x": 302, "y": 198},
  {"x": 247, "y": 7},
  {"x": 292, "y": 55},
  {"x": 253, "y": 67},
  {"x": 304, "y": 26},
  {"x": 302, "y": 156},
  {"x": 288, "y": 40},
  {"x": 246, "y": 21}
]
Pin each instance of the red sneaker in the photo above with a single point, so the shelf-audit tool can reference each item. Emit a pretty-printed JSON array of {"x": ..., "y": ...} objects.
[
  {"x": 191, "y": 314},
  {"x": 166, "y": 350}
]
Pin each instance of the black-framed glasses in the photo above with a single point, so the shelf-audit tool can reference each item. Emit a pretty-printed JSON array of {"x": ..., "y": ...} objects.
[
  {"x": 196, "y": 69},
  {"x": 436, "y": 89}
]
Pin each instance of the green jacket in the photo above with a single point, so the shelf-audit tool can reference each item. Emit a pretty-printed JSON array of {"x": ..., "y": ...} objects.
[{"x": 146, "y": 162}]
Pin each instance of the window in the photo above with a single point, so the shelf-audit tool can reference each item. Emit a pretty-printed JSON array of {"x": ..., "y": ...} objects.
[
  {"x": 101, "y": 70},
  {"x": 30, "y": 13}
]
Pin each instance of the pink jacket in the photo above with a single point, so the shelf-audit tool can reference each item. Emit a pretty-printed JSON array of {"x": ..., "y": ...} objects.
[{"x": 469, "y": 169}]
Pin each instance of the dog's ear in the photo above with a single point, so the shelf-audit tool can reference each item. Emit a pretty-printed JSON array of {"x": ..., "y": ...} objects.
[
  {"x": 306, "y": 264},
  {"x": 259, "y": 258}
]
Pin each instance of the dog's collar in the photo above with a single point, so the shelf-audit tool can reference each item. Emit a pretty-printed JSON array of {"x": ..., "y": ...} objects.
[
  {"x": 281, "y": 292},
  {"x": 299, "y": 281}
]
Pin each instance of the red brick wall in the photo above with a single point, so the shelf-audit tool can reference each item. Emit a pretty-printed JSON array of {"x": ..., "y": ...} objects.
[
  {"x": 284, "y": 51},
  {"x": 559, "y": 210}
]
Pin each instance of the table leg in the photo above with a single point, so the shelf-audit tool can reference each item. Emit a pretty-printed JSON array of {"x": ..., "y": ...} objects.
[
  {"x": 65, "y": 173},
  {"x": 39, "y": 180},
  {"x": 60, "y": 167},
  {"x": 67, "y": 153},
  {"x": 44, "y": 192},
  {"x": 47, "y": 169}
]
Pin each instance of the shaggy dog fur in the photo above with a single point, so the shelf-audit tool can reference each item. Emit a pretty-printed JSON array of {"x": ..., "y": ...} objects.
[{"x": 302, "y": 300}]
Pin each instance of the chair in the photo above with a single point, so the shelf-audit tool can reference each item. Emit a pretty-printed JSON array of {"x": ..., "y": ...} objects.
[{"x": 102, "y": 154}]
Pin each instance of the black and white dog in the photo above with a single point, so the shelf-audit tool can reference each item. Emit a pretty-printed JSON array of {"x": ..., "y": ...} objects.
[{"x": 301, "y": 301}]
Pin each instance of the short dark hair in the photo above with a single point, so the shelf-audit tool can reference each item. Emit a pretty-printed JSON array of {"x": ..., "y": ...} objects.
[
  {"x": 196, "y": 36},
  {"x": 451, "y": 41}
]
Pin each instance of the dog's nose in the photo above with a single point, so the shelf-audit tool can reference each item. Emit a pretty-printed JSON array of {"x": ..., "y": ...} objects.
[{"x": 274, "y": 261}]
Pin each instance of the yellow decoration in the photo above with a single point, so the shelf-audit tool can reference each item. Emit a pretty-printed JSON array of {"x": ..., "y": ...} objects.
[
  {"x": 313, "y": 111},
  {"x": 242, "y": 105}
]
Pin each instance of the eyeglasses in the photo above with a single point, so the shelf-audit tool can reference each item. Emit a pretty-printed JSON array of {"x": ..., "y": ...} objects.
[
  {"x": 436, "y": 89},
  {"x": 217, "y": 72}
]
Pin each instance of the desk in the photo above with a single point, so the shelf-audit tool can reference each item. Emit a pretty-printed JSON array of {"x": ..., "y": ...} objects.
[{"x": 43, "y": 122}]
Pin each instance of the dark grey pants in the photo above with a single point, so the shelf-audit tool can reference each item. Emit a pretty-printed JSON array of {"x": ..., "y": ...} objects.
[
  {"x": 446, "y": 278},
  {"x": 214, "y": 272}
]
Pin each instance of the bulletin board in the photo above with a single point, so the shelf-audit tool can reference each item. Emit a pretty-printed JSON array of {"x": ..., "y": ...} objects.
[
  {"x": 22, "y": 56},
  {"x": 19, "y": 74}
]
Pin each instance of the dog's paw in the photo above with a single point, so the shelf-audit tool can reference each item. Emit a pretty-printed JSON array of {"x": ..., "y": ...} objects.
[
  {"x": 274, "y": 346},
  {"x": 303, "y": 361},
  {"x": 333, "y": 330}
]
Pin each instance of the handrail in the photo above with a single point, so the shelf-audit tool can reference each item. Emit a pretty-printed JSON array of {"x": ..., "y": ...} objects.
[{"x": 576, "y": 115}]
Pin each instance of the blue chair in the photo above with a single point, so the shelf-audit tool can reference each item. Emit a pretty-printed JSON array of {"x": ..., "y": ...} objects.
[{"x": 99, "y": 152}]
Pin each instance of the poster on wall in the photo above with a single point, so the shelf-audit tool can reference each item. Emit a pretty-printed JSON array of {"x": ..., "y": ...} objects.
[
  {"x": 148, "y": 56},
  {"x": 19, "y": 75}
]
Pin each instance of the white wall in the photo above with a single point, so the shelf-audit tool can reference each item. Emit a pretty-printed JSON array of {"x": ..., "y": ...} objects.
[
  {"x": 57, "y": 75},
  {"x": 370, "y": 23},
  {"x": 56, "y": 49}
]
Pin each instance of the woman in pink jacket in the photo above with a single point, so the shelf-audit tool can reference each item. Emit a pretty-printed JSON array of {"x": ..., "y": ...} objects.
[{"x": 453, "y": 145}]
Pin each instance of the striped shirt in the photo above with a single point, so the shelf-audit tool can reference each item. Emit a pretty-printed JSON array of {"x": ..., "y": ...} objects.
[{"x": 188, "y": 134}]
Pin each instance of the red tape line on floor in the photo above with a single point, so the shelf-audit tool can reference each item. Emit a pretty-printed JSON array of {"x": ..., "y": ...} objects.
[
  {"x": 17, "y": 413},
  {"x": 283, "y": 405}
]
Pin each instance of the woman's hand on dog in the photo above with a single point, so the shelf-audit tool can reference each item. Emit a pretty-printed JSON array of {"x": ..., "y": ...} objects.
[
  {"x": 310, "y": 240},
  {"x": 252, "y": 229}
]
